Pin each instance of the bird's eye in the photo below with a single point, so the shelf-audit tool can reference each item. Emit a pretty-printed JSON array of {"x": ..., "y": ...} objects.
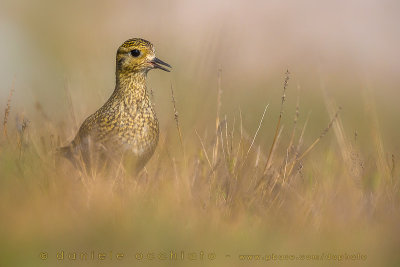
[{"x": 135, "y": 52}]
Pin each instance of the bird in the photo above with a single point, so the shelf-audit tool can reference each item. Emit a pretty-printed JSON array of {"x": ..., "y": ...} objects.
[{"x": 126, "y": 125}]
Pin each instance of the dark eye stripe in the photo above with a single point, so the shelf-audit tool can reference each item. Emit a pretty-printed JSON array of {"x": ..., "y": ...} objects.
[{"x": 135, "y": 52}]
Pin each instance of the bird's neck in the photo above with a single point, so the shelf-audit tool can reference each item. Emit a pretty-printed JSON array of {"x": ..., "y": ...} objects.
[{"x": 131, "y": 85}]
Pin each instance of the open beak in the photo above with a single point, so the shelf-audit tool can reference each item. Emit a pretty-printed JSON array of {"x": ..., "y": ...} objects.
[{"x": 157, "y": 64}]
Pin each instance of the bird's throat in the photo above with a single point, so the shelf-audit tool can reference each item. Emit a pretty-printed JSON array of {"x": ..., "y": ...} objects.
[{"x": 131, "y": 85}]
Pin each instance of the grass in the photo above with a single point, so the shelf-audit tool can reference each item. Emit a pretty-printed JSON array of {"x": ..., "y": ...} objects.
[{"x": 216, "y": 194}]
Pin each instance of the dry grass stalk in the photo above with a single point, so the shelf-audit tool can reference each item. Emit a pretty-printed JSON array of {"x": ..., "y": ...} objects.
[
  {"x": 296, "y": 149},
  {"x": 393, "y": 170},
  {"x": 239, "y": 149},
  {"x": 7, "y": 110},
  {"x": 217, "y": 121},
  {"x": 345, "y": 146},
  {"x": 227, "y": 139},
  {"x": 22, "y": 125},
  {"x": 176, "y": 118},
  {"x": 232, "y": 133},
  {"x": 225, "y": 150},
  {"x": 255, "y": 135},
  {"x": 290, "y": 147},
  {"x": 285, "y": 85},
  {"x": 204, "y": 151},
  {"x": 301, "y": 138},
  {"x": 296, "y": 118},
  {"x": 370, "y": 109}
]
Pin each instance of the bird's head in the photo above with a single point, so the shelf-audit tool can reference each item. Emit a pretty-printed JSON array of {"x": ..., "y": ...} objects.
[{"x": 138, "y": 55}]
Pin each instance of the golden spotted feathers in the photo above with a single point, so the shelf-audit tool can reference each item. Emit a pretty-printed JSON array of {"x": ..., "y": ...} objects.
[{"x": 138, "y": 43}]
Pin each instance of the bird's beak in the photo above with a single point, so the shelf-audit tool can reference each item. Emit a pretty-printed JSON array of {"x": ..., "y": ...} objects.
[{"x": 157, "y": 64}]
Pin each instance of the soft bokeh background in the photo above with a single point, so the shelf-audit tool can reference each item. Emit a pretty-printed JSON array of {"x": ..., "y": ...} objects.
[{"x": 344, "y": 51}]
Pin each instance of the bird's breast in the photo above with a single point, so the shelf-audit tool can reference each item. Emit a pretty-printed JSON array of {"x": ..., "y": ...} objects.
[{"x": 137, "y": 130}]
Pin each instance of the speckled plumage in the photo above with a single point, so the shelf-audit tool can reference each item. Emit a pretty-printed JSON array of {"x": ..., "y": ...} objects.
[{"x": 127, "y": 122}]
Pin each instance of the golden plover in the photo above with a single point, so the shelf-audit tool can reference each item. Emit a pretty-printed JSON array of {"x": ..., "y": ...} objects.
[{"x": 126, "y": 123}]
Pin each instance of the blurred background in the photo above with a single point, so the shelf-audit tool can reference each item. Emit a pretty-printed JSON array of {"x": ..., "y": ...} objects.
[{"x": 346, "y": 52}]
